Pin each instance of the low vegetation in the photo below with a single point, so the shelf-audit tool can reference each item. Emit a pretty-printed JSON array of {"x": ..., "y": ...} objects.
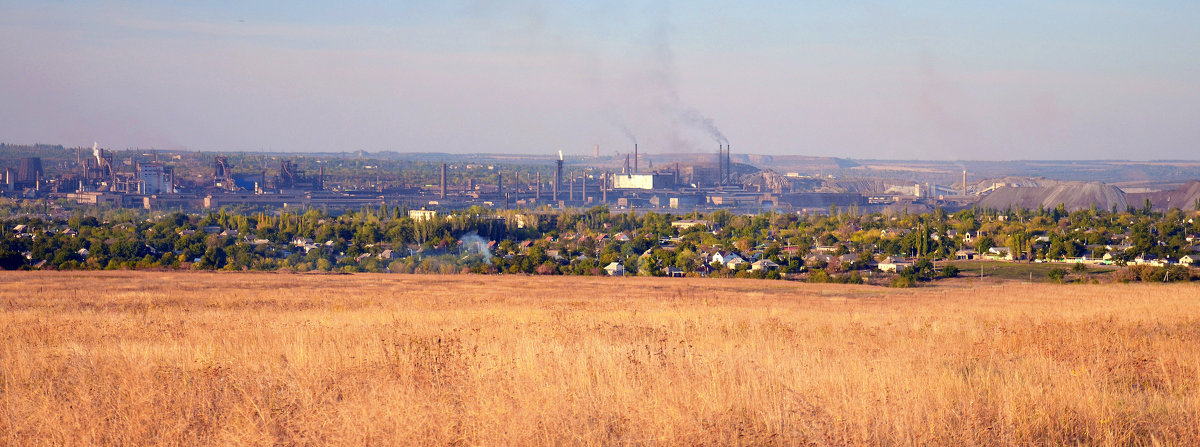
[{"x": 102, "y": 358}]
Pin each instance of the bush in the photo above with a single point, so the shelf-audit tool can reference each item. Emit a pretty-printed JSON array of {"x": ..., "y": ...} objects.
[
  {"x": 1079, "y": 268},
  {"x": 903, "y": 282},
  {"x": 1056, "y": 274},
  {"x": 819, "y": 276},
  {"x": 853, "y": 278},
  {"x": 950, "y": 271}
]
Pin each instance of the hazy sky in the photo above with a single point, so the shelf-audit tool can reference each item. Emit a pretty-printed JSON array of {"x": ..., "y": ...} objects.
[{"x": 927, "y": 80}]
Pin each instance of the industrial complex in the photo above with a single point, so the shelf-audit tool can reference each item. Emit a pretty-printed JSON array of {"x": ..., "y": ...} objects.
[{"x": 631, "y": 181}]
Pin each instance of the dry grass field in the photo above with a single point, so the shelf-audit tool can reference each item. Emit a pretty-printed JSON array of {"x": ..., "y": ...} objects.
[{"x": 134, "y": 358}]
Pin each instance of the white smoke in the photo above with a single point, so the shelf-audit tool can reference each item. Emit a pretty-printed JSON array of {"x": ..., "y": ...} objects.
[
  {"x": 96, "y": 151},
  {"x": 472, "y": 243}
]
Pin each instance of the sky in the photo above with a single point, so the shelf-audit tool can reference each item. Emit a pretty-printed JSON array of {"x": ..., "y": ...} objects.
[{"x": 938, "y": 80}]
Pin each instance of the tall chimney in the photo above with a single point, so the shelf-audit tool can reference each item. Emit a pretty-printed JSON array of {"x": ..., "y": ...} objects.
[
  {"x": 635, "y": 158},
  {"x": 720, "y": 164},
  {"x": 500, "y": 184},
  {"x": 964, "y": 189},
  {"x": 596, "y": 151},
  {"x": 557, "y": 179},
  {"x": 443, "y": 193},
  {"x": 625, "y": 169},
  {"x": 571, "y": 190},
  {"x": 729, "y": 162},
  {"x": 583, "y": 189},
  {"x": 677, "y": 174},
  {"x": 604, "y": 187},
  {"x": 537, "y": 187}
]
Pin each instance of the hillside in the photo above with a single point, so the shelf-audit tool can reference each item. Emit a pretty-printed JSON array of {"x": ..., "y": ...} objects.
[
  {"x": 115, "y": 358},
  {"x": 1183, "y": 197},
  {"x": 1073, "y": 195}
]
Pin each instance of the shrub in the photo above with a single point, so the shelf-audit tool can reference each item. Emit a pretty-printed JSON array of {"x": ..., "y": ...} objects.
[
  {"x": 1056, "y": 274},
  {"x": 903, "y": 282},
  {"x": 950, "y": 271},
  {"x": 854, "y": 278},
  {"x": 819, "y": 276}
]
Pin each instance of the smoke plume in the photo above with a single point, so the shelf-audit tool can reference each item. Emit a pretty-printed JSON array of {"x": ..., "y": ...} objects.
[
  {"x": 665, "y": 79},
  {"x": 625, "y": 130},
  {"x": 693, "y": 118},
  {"x": 472, "y": 243}
]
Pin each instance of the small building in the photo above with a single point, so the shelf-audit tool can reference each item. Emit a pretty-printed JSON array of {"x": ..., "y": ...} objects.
[
  {"x": 672, "y": 272},
  {"x": 689, "y": 223},
  {"x": 735, "y": 262},
  {"x": 726, "y": 258},
  {"x": 614, "y": 269},
  {"x": 1148, "y": 259},
  {"x": 966, "y": 254},
  {"x": 1004, "y": 253},
  {"x": 893, "y": 264},
  {"x": 764, "y": 264}
]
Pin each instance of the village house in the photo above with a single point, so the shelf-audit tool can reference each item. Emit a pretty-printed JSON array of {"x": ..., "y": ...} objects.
[
  {"x": 1149, "y": 259},
  {"x": 614, "y": 269},
  {"x": 763, "y": 264},
  {"x": 726, "y": 258},
  {"x": 893, "y": 264},
  {"x": 1000, "y": 253}
]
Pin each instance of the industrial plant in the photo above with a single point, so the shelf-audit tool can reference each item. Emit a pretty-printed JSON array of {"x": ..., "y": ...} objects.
[{"x": 633, "y": 180}]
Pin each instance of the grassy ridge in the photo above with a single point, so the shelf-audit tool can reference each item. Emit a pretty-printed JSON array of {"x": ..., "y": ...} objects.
[
  {"x": 1023, "y": 271},
  {"x": 151, "y": 358}
]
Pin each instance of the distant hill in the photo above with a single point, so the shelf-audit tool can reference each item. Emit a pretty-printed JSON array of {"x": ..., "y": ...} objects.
[
  {"x": 1073, "y": 195},
  {"x": 1183, "y": 197}
]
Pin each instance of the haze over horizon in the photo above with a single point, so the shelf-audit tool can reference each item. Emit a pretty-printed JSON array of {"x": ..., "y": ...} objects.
[{"x": 967, "y": 80}]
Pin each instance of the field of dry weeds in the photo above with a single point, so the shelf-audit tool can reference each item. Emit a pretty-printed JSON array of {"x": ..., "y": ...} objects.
[{"x": 191, "y": 358}]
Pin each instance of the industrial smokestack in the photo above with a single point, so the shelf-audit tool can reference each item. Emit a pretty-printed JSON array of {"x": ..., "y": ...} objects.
[
  {"x": 625, "y": 169},
  {"x": 571, "y": 190},
  {"x": 596, "y": 151},
  {"x": 537, "y": 187},
  {"x": 500, "y": 185},
  {"x": 720, "y": 164},
  {"x": 604, "y": 187},
  {"x": 557, "y": 179},
  {"x": 635, "y": 158},
  {"x": 729, "y": 161},
  {"x": 443, "y": 193},
  {"x": 964, "y": 189},
  {"x": 583, "y": 188}
]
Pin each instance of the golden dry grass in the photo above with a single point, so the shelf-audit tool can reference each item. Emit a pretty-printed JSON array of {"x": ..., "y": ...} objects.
[{"x": 190, "y": 358}]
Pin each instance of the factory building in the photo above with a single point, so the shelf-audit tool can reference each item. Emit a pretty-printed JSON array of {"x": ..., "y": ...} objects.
[
  {"x": 154, "y": 178},
  {"x": 643, "y": 181}
]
